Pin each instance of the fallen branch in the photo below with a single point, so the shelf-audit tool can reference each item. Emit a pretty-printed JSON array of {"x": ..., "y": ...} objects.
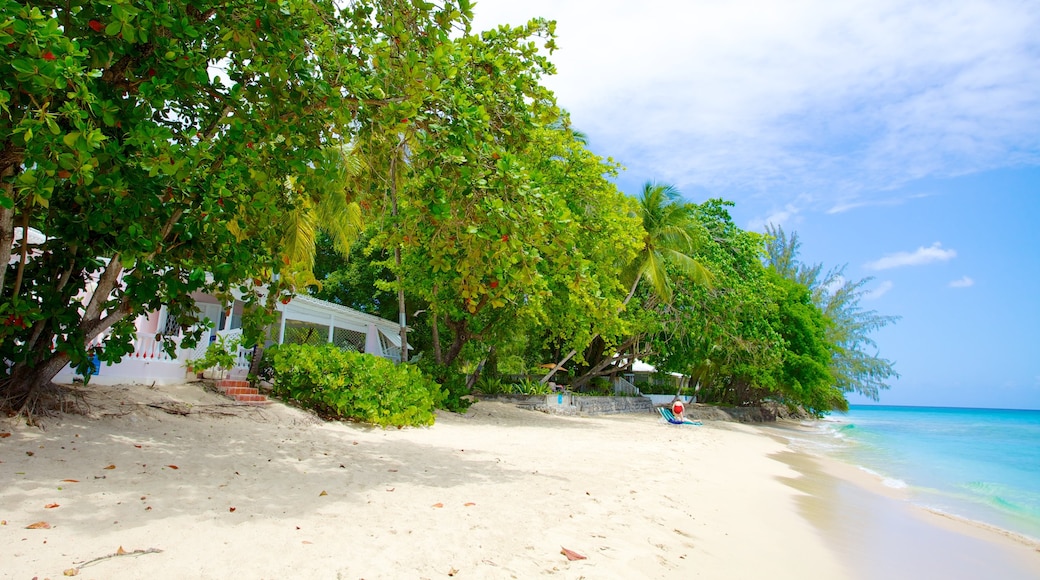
[{"x": 118, "y": 553}]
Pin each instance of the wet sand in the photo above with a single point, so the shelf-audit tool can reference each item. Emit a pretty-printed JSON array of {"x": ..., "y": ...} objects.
[{"x": 879, "y": 533}]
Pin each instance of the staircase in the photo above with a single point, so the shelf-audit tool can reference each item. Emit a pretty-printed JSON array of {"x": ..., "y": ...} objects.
[{"x": 241, "y": 392}]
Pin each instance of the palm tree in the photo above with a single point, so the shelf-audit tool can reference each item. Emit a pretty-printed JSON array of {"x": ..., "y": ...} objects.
[
  {"x": 669, "y": 238},
  {"x": 331, "y": 211}
]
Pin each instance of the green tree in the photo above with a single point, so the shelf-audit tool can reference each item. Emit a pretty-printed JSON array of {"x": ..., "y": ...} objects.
[
  {"x": 670, "y": 237},
  {"x": 668, "y": 240},
  {"x": 721, "y": 335},
  {"x": 856, "y": 365},
  {"x": 804, "y": 376},
  {"x": 152, "y": 176}
]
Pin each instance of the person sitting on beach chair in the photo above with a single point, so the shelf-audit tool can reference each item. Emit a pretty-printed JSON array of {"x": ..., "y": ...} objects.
[{"x": 678, "y": 408}]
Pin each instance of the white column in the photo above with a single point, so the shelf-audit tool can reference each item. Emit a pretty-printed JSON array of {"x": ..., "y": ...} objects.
[{"x": 372, "y": 344}]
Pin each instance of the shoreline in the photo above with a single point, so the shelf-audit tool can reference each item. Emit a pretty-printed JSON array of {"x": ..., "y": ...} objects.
[
  {"x": 190, "y": 486},
  {"x": 906, "y": 540}
]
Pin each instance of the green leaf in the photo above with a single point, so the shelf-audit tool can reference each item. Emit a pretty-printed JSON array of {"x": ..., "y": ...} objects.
[{"x": 23, "y": 65}]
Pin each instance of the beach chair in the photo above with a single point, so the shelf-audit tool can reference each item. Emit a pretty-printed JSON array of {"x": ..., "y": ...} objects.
[{"x": 666, "y": 413}]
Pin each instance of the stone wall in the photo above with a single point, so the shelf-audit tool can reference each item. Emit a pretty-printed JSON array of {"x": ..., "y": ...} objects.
[
  {"x": 610, "y": 405},
  {"x": 767, "y": 413}
]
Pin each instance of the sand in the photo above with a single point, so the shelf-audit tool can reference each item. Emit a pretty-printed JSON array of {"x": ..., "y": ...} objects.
[{"x": 189, "y": 486}]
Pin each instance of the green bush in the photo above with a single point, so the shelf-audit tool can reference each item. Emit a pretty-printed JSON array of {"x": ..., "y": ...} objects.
[
  {"x": 490, "y": 387},
  {"x": 530, "y": 387},
  {"x": 220, "y": 354},
  {"x": 352, "y": 385},
  {"x": 452, "y": 382}
]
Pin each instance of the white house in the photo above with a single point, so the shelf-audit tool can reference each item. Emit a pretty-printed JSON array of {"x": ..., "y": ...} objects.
[{"x": 304, "y": 320}]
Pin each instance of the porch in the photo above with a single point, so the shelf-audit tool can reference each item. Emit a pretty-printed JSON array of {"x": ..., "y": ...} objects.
[{"x": 305, "y": 320}]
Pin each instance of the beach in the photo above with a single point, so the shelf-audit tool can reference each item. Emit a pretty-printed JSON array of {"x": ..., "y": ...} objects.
[{"x": 175, "y": 482}]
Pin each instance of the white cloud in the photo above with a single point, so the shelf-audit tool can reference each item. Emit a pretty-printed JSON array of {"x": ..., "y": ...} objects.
[
  {"x": 964, "y": 282},
  {"x": 919, "y": 257},
  {"x": 880, "y": 291},
  {"x": 831, "y": 98},
  {"x": 783, "y": 217}
]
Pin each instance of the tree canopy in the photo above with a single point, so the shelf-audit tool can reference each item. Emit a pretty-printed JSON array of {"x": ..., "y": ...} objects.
[{"x": 164, "y": 148}]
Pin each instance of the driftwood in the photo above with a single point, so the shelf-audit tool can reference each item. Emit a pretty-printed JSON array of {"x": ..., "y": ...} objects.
[{"x": 116, "y": 554}]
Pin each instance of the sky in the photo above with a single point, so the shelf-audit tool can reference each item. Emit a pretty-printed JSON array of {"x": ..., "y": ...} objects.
[{"x": 898, "y": 138}]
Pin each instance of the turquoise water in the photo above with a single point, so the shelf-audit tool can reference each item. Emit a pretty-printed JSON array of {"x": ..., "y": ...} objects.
[{"x": 981, "y": 464}]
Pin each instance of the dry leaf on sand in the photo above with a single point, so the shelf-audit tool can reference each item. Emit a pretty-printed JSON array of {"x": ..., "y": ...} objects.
[
  {"x": 469, "y": 503},
  {"x": 571, "y": 554},
  {"x": 51, "y": 506},
  {"x": 38, "y": 526},
  {"x": 120, "y": 551},
  {"x": 323, "y": 492},
  {"x": 438, "y": 505},
  {"x": 71, "y": 572},
  {"x": 4, "y": 435},
  {"x": 111, "y": 467},
  {"x": 70, "y": 481},
  {"x": 173, "y": 467}
]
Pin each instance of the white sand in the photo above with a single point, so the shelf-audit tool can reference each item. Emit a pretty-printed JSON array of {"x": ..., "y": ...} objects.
[{"x": 274, "y": 493}]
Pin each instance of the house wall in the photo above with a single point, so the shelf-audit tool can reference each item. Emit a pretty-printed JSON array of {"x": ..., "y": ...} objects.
[{"x": 149, "y": 363}]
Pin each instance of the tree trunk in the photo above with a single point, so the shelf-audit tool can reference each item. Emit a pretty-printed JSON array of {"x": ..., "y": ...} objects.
[
  {"x": 595, "y": 370},
  {"x": 437, "y": 339},
  {"x": 557, "y": 366},
  {"x": 6, "y": 235},
  {"x": 28, "y": 378},
  {"x": 461, "y": 336},
  {"x": 26, "y": 383},
  {"x": 473, "y": 378}
]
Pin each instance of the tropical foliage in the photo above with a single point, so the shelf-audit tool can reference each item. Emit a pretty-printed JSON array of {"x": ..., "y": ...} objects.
[
  {"x": 165, "y": 148},
  {"x": 352, "y": 385}
]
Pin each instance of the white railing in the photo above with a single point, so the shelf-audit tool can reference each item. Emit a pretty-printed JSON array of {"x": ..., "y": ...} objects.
[
  {"x": 146, "y": 347},
  {"x": 623, "y": 387}
]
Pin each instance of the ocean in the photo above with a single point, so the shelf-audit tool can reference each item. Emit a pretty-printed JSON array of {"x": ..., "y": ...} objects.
[{"x": 979, "y": 464}]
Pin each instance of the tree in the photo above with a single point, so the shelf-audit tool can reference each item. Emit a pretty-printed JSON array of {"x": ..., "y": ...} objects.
[
  {"x": 152, "y": 176},
  {"x": 668, "y": 239},
  {"x": 853, "y": 367},
  {"x": 467, "y": 223},
  {"x": 721, "y": 335}
]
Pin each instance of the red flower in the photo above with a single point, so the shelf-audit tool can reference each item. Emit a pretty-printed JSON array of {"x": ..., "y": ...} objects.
[
  {"x": 493, "y": 284},
  {"x": 96, "y": 26},
  {"x": 505, "y": 237},
  {"x": 48, "y": 55}
]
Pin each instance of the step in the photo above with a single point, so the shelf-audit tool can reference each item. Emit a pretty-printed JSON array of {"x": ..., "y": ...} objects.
[
  {"x": 234, "y": 391},
  {"x": 252, "y": 399},
  {"x": 222, "y": 383}
]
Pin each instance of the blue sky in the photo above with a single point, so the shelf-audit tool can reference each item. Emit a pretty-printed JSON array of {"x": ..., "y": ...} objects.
[{"x": 899, "y": 137}]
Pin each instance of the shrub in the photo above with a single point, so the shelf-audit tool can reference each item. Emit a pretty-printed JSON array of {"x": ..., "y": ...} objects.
[
  {"x": 352, "y": 385},
  {"x": 220, "y": 354},
  {"x": 453, "y": 384},
  {"x": 531, "y": 387},
  {"x": 490, "y": 386}
]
